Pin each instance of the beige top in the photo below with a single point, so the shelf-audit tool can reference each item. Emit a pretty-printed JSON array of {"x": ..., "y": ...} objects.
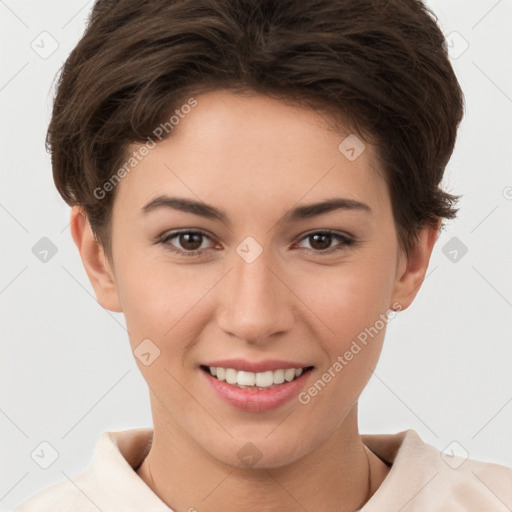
[{"x": 420, "y": 479}]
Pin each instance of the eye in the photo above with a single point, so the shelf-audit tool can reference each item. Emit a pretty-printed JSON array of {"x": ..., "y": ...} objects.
[
  {"x": 321, "y": 241},
  {"x": 189, "y": 240}
]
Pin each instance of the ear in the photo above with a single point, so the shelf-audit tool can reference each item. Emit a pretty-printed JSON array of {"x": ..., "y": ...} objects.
[
  {"x": 411, "y": 269},
  {"x": 95, "y": 261}
]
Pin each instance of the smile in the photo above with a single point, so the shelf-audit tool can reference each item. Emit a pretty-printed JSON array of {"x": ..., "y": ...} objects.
[{"x": 254, "y": 380}]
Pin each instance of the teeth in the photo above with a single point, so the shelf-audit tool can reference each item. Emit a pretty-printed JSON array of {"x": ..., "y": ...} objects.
[
  {"x": 278, "y": 376},
  {"x": 246, "y": 378},
  {"x": 264, "y": 379},
  {"x": 231, "y": 376},
  {"x": 289, "y": 375},
  {"x": 249, "y": 379}
]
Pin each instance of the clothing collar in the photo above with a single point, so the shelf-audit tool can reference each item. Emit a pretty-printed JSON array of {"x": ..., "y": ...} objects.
[{"x": 118, "y": 455}]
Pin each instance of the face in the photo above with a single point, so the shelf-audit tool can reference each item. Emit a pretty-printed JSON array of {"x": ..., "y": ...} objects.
[{"x": 245, "y": 284}]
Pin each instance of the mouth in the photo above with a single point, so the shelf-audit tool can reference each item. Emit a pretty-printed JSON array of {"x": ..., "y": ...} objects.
[{"x": 268, "y": 379}]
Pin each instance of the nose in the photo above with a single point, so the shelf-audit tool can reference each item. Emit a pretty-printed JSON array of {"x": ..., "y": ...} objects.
[{"x": 256, "y": 304}]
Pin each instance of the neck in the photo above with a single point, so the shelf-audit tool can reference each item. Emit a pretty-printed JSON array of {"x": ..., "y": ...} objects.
[{"x": 186, "y": 477}]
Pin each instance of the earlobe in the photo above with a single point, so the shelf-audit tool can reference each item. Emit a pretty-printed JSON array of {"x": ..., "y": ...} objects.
[
  {"x": 95, "y": 262},
  {"x": 413, "y": 269}
]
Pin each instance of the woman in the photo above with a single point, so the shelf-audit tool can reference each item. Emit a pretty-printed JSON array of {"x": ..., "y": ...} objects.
[{"x": 256, "y": 186}]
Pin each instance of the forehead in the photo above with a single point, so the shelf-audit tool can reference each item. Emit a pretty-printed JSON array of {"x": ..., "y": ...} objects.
[{"x": 251, "y": 152}]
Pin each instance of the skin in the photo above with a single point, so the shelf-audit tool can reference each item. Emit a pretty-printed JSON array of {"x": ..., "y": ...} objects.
[{"x": 255, "y": 158}]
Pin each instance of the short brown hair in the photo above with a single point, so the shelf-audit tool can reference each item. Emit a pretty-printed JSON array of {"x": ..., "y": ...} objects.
[{"x": 382, "y": 66}]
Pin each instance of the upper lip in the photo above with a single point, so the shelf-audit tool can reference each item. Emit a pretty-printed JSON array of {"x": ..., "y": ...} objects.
[{"x": 256, "y": 366}]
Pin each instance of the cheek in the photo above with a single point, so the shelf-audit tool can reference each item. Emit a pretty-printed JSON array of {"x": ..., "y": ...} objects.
[
  {"x": 352, "y": 310},
  {"x": 158, "y": 300},
  {"x": 346, "y": 299}
]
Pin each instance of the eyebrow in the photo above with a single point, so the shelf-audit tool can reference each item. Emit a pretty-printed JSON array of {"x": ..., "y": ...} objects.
[{"x": 210, "y": 212}]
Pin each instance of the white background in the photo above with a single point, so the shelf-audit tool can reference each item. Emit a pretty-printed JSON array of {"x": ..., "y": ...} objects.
[{"x": 67, "y": 372}]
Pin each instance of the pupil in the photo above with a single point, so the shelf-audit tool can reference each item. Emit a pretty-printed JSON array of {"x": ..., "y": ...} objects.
[
  {"x": 187, "y": 236},
  {"x": 325, "y": 236}
]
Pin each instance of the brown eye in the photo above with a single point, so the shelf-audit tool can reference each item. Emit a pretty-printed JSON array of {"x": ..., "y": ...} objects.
[
  {"x": 190, "y": 241},
  {"x": 185, "y": 243},
  {"x": 320, "y": 242}
]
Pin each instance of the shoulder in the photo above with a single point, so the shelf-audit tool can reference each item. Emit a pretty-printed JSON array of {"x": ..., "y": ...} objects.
[
  {"x": 61, "y": 497},
  {"x": 77, "y": 492},
  {"x": 424, "y": 478},
  {"x": 110, "y": 483},
  {"x": 475, "y": 485}
]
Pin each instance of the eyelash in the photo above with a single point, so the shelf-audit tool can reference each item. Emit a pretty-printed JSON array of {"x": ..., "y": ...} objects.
[{"x": 347, "y": 242}]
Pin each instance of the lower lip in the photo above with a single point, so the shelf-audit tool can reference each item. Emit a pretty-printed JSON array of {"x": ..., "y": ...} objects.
[{"x": 256, "y": 400}]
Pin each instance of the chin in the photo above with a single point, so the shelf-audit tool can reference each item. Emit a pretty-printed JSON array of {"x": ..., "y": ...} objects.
[{"x": 251, "y": 452}]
